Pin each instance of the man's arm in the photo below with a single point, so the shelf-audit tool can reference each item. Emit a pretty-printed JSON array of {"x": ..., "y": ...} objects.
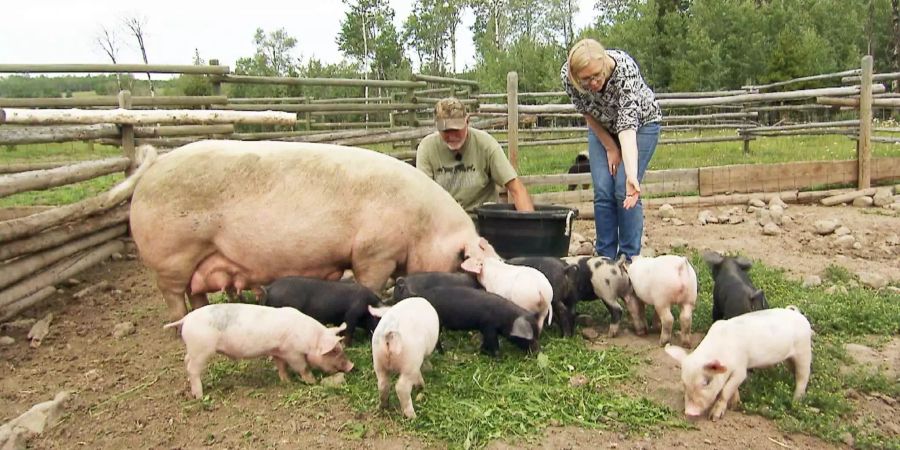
[{"x": 519, "y": 195}]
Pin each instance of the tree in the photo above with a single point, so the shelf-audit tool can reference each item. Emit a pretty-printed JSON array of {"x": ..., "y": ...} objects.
[
  {"x": 273, "y": 57},
  {"x": 108, "y": 42},
  {"x": 895, "y": 52},
  {"x": 429, "y": 30},
  {"x": 369, "y": 36},
  {"x": 136, "y": 26}
]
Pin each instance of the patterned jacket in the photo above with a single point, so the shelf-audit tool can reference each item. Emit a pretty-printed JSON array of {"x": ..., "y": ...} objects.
[{"x": 626, "y": 102}]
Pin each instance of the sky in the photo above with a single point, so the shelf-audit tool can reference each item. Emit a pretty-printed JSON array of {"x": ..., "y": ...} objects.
[{"x": 65, "y": 31}]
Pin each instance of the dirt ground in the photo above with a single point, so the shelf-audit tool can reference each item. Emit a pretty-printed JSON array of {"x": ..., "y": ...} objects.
[{"x": 131, "y": 392}]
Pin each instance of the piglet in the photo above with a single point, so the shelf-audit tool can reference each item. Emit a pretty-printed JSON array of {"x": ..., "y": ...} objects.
[
  {"x": 524, "y": 286},
  {"x": 412, "y": 285},
  {"x": 239, "y": 330},
  {"x": 329, "y": 302},
  {"x": 406, "y": 334},
  {"x": 733, "y": 292},
  {"x": 464, "y": 308},
  {"x": 582, "y": 165},
  {"x": 713, "y": 372},
  {"x": 662, "y": 282},
  {"x": 603, "y": 278},
  {"x": 562, "y": 279}
]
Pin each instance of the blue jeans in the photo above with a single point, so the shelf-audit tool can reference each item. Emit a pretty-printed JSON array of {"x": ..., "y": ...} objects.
[{"x": 619, "y": 230}]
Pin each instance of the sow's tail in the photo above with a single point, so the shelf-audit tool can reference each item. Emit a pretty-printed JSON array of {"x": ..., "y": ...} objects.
[
  {"x": 174, "y": 324},
  {"x": 393, "y": 343}
]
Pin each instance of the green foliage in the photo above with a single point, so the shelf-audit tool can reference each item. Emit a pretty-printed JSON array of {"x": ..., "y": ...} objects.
[{"x": 369, "y": 36}]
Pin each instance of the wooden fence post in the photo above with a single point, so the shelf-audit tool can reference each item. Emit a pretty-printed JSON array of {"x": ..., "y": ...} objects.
[
  {"x": 512, "y": 106},
  {"x": 216, "y": 84},
  {"x": 864, "y": 145},
  {"x": 413, "y": 121},
  {"x": 127, "y": 134},
  {"x": 308, "y": 115}
]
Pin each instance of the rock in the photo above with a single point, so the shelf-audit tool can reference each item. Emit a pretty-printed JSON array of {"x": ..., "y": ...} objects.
[
  {"x": 734, "y": 220},
  {"x": 894, "y": 206},
  {"x": 6, "y": 340},
  {"x": 841, "y": 231},
  {"x": 92, "y": 375},
  {"x": 333, "y": 381},
  {"x": 770, "y": 229},
  {"x": 117, "y": 256},
  {"x": 825, "y": 227},
  {"x": 578, "y": 237},
  {"x": 892, "y": 240},
  {"x": 590, "y": 333},
  {"x": 836, "y": 289},
  {"x": 777, "y": 201},
  {"x": 648, "y": 252},
  {"x": 863, "y": 201},
  {"x": 751, "y": 209},
  {"x": 586, "y": 248},
  {"x": 713, "y": 219},
  {"x": 578, "y": 380},
  {"x": 677, "y": 222},
  {"x": 667, "y": 219},
  {"x": 883, "y": 197},
  {"x": 894, "y": 289},
  {"x": 585, "y": 320},
  {"x": 776, "y": 212},
  {"x": 733, "y": 210},
  {"x": 123, "y": 329},
  {"x": 21, "y": 324},
  {"x": 71, "y": 282},
  {"x": 678, "y": 242},
  {"x": 811, "y": 281},
  {"x": 757, "y": 203},
  {"x": 845, "y": 241},
  {"x": 724, "y": 218},
  {"x": 857, "y": 245},
  {"x": 848, "y": 439},
  {"x": 40, "y": 330},
  {"x": 873, "y": 280},
  {"x": 33, "y": 422},
  {"x": 666, "y": 211},
  {"x": 704, "y": 216},
  {"x": 763, "y": 217}
]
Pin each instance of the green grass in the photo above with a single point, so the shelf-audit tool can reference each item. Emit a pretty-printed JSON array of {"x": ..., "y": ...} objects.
[{"x": 471, "y": 399}]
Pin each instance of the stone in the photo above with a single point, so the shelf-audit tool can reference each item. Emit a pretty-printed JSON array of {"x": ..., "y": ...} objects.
[
  {"x": 117, "y": 256},
  {"x": 667, "y": 219},
  {"x": 892, "y": 240},
  {"x": 578, "y": 237},
  {"x": 841, "y": 231},
  {"x": 704, "y": 216},
  {"x": 857, "y": 245},
  {"x": 751, "y": 209},
  {"x": 873, "y": 280},
  {"x": 863, "y": 202},
  {"x": 733, "y": 210},
  {"x": 585, "y": 249},
  {"x": 666, "y": 211},
  {"x": 763, "y": 217},
  {"x": 333, "y": 381},
  {"x": 723, "y": 218},
  {"x": 123, "y": 329},
  {"x": 734, "y": 220},
  {"x": 836, "y": 290},
  {"x": 810, "y": 281},
  {"x": 677, "y": 222},
  {"x": 848, "y": 439},
  {"x": 894, "y": 206},
  {"x": 6, "y": 340},
  {"x": 590, "y": 333},
  {"x": 678, "y": 242},
  {"x": 648, "y": 252},
  {"x": 883, "y": 197},
  {"x": 845, "y": 241},
  {"x": 825, "y": 227},
  {"x": 713, "y": 219},
  {"x": 776, "y": 212},
  {"x": 770, "y": 229},
  {"x": 777, "y": 201},
  {"x": 757, "y": 203}
]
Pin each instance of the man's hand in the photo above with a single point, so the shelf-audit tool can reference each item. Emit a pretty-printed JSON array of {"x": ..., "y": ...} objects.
[{"x": 632, "y": 192}]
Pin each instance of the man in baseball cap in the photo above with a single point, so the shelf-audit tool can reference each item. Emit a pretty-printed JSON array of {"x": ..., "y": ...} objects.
[{"x": 468, "y": 163}]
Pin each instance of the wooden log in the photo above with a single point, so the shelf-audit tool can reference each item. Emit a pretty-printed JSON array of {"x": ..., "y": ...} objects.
[
  {"x": 444, "y": 80},
  {"x": 854, "y": 102},
  {"x": 113, "y": 68},
  {"x": 12, "y": 298},
  {"x": 258, "y": 100},
  {"x": 11, "y": 212},
  {"x": 64, "y": 233},
  {"x": 415, "y": 133},
  {"x": 336, "y": 135},
  {"x": 91, "y": 289},
  {"x": 864, "y": 147},
  {"x": 110, "y": 100},
  {"x": 767, "y": 97},
  {"x": 331, "y": 125},
  {"x": 700, "y": 94},
  {"x": 700, "y": 139},
  {"x": 351, "y": 100},
  {"x": 22, "y": 267},
  {"x": 847, "y": 197},
  {"x": 433, "y": 100},
  {"x": 849, "y": 132},
  {"x": 13, "y": 135},
  {"x": 824, "y": 76},
  {"x": 886, "y": 140},
  {"x": 806, "y": 126},
  {"x": 146, "y": 117},
  {"x": 774, "y": 177},
  {"x": 787, "y": 108},
  {"x": 690, "y": 117},
  {"x": 293, "y": 81},
  {"x": 512, "y": 123},
  {"x": 183, "y": 130},
  {"x": 875, "y": 77},
  {"x": 16, "y": 307},
  {"x": 331, "y": 108},
  {"x": 44, "y": 179},
  {"x": 25, "y": 167},
  {"x": 17, "y": 228},
  {"x": 127, "y": 134}
]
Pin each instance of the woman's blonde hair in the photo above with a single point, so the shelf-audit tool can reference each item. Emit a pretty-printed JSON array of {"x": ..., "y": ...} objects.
[{"x": 583, "y": 53}]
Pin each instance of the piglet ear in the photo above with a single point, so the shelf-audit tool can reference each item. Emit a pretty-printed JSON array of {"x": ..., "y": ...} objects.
[
  {"x": 714, "y": 366},
  {"x": 521, "y": 328},
  {"x": 712, "y": 258},
  {"x": 677, "y": 353},
  {"x": 378, "y": 311},
  {"x": 744, "y": 263},
  {"x": 758, "y": 300},
  {"x": 327, "y": 342},
  {"x": 473, "y": 265},
  {"x": 338, "y": 329}
]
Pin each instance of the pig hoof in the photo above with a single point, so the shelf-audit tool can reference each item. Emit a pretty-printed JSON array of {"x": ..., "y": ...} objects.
[{"x": 410, "y": 414}]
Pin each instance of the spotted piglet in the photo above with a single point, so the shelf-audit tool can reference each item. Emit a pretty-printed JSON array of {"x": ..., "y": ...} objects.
[
  {"x": 603, "y": 278},
  {"x": 662, "y": 282},
  {"x": 240, "y": 330},
  {"x": 406, "y": 334}
]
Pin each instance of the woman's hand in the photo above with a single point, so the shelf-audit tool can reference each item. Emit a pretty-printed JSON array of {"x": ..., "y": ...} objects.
[
  {"x": 613, "y": 158},
  {"x": 632, "y": 192}
]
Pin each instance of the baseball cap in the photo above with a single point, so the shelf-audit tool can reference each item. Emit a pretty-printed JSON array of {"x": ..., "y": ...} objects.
[{"x": 449, "y": 114}]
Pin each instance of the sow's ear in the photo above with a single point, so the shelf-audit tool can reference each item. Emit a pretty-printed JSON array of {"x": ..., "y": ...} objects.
[
  {"x": 677, "y": 353},
  {"x": 521, "y": 328},
  {"x": 473, "y": 265},
  {"x": 327, "y": 343}
]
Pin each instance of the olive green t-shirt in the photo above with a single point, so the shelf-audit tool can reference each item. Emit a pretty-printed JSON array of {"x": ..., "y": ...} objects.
[{"x": 473, "y": 181}]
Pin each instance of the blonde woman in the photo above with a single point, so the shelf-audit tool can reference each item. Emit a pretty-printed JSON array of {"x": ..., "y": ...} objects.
[{"x": 623, "y": 119}]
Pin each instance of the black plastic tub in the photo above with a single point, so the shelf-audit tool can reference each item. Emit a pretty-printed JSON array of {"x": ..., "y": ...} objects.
[{"x": 544, "y": 232}]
